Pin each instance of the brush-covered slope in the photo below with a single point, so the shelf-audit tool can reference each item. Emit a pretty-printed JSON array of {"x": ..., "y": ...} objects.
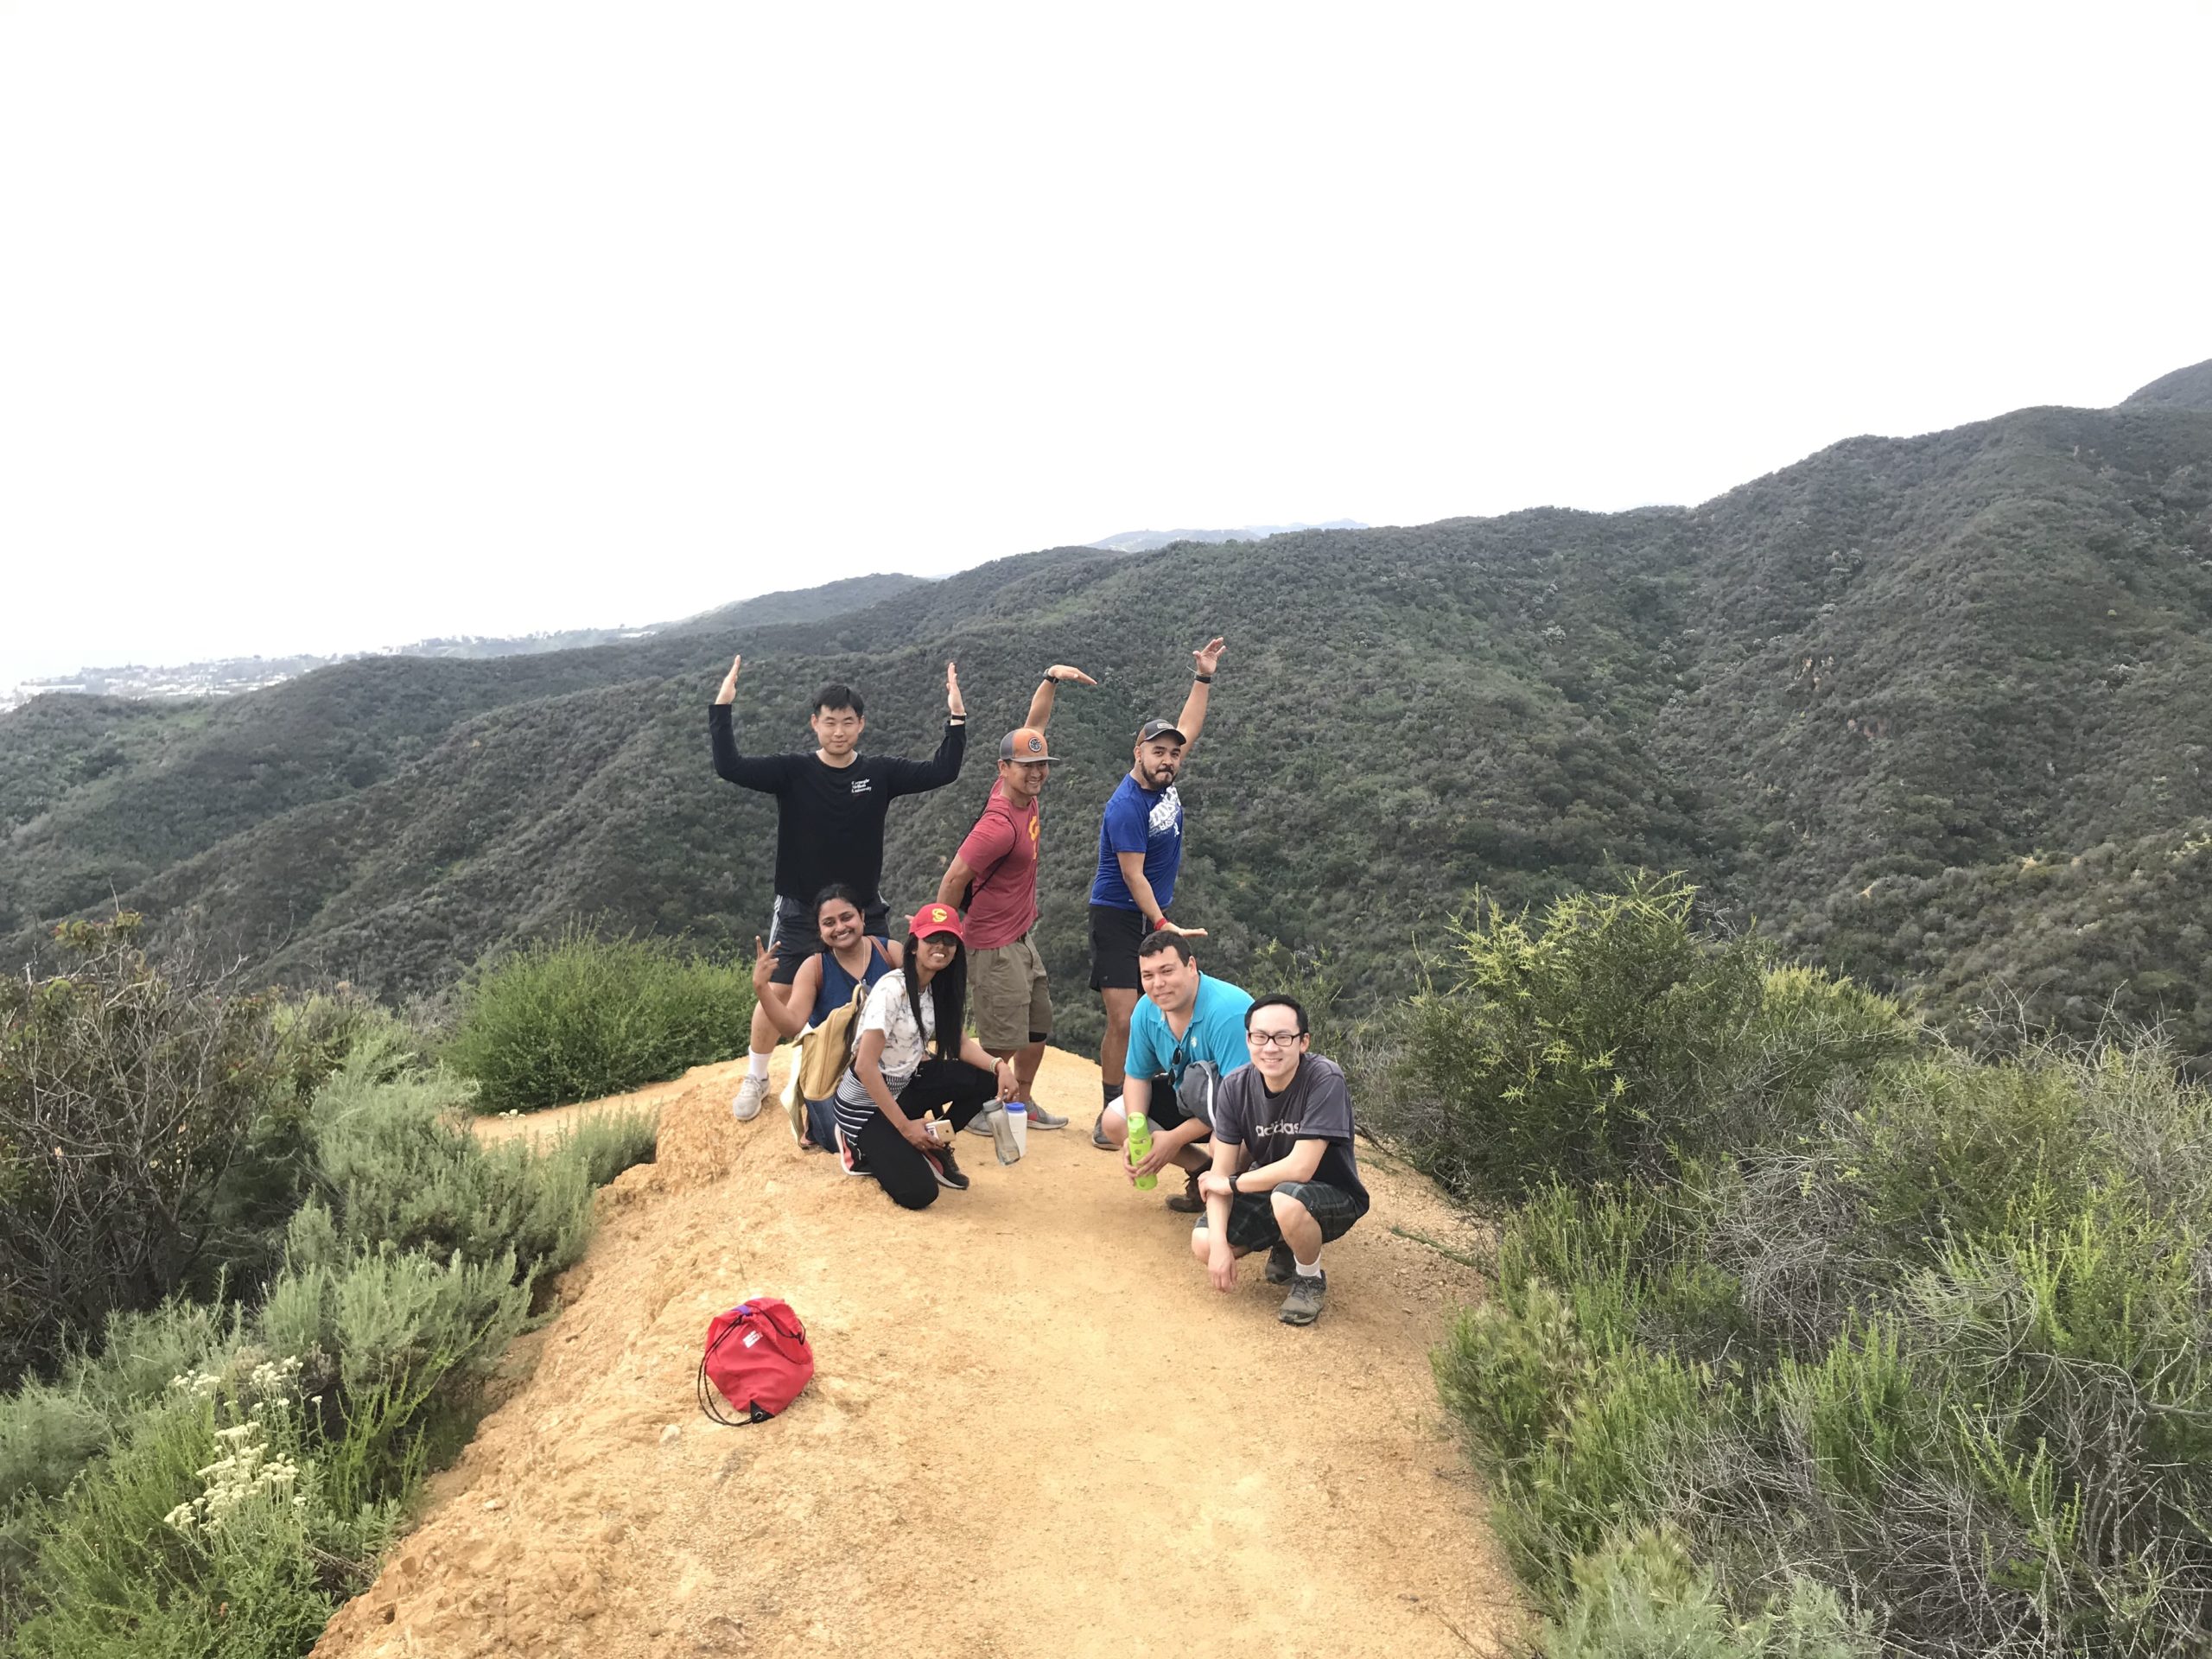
[{"x": 1845, "y": 697}]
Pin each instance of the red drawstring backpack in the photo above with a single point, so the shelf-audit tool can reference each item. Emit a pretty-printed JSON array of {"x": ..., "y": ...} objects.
[{"x": 757, "y": 1358}]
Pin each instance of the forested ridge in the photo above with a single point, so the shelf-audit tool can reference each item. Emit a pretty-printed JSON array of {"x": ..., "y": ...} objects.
[{"x": 1932, "y": 709}]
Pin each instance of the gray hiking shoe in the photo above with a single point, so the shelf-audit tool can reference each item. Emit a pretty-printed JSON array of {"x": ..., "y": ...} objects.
[
  {"x": 1098, "y": 1135},
  {"x": 1280, "y": 1265},
  {"x": 1041, "y": 1119},
  {"x": 1303, "y": 1304},
  {"x": 750, "y": 1094}
]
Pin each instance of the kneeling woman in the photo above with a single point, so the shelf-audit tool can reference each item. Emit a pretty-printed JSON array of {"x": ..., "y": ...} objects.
[
  {"x": 894, "y": 1078},
  {"x": 825, "y": 982}
]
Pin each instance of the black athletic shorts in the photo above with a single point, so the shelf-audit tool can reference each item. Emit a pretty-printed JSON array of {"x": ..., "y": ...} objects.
[
  {"x": 1252, "y": 1215},
  {"x": 1115, "y": 935},
  {"x": 1164, "y": 1111},
  {"x": 791, "y": 935}
]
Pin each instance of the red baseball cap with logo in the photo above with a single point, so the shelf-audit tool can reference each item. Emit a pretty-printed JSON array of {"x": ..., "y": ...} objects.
[{"x": 937, "y": 918}]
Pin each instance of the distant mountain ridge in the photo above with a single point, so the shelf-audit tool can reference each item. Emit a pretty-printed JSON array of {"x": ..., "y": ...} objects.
[
  {"x": 1933, "y": 710},
  {"x": 1151, "y": 541},
  {"x": 2189, "y": 388},
  {"x": 230, "y": 675}
]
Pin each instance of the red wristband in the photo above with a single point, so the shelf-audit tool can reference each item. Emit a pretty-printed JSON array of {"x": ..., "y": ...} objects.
[{"x": 1161, "y": 923}]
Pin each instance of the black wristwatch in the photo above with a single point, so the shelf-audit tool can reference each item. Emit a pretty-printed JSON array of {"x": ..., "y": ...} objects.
[
  {"x": 1202, "y": 679},
  {"x": 1049, "y": 677},
  {"x": 1233, "y": 1192}
]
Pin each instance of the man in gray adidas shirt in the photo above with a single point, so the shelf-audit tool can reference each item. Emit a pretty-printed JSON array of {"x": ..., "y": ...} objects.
[{"x": 1284, "y": 1179}]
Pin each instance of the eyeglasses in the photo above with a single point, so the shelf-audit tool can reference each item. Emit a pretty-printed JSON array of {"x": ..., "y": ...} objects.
[{"x": 1272, "y": 1039}]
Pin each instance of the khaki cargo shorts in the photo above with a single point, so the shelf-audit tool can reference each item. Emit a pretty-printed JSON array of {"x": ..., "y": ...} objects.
[{"x": 1012, "y": 1008}]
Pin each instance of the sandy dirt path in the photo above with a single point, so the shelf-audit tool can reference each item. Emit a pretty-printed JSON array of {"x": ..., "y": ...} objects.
[{"x": 1035, "y": 1429}]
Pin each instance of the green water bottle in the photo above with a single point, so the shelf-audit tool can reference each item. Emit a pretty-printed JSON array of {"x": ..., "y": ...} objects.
[{"x": 1140, "y": 1149}]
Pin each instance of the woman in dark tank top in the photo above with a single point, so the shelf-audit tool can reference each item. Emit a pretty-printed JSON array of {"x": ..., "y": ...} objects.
[{"x": 824, "y": 984}]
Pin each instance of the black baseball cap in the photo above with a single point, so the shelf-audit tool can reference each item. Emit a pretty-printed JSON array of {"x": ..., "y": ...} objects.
[{"x": 1152, "y": 729}]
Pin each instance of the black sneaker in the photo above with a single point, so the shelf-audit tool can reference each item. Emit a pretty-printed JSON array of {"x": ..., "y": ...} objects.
[
  {"x": 1303, "y": 1304},
  {"x": 1280, "y": 1265},
  {"x": 947, "y": 1171}
]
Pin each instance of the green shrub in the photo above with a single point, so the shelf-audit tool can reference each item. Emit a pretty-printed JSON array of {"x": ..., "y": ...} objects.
[
  {"x": 1947, "y": 1345},
  {"x": 401, "y": 1343},
  {"x": 1614, "y": 1039},
  {"x": 49, "y": 1429},
  {"x": 609, "y": 1143},
  {"x": 1573, "y": 1426},
  {"x": 186, "y": 1540},
  {"x": 1641, "y": 1597},
  {"x": 1947, "y": 1148},
  {"x": 1506, "y": 1372},
  {"x": 400, "y": 1286},
  {"x": 581, "y": 1017},
  {"x": 152, "y": 1121},
  {"x": 397, "y": 1165}
]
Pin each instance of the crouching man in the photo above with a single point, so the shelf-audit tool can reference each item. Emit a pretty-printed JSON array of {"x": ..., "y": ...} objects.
[
  {"x": 1284, "y": 1179},
  {"x": 1186, "y": 1033}
]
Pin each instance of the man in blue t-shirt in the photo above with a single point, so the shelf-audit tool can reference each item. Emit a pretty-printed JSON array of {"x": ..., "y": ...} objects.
[
  {"x": 1186, "y": 1035},
  {"x": 1139, "y": 850}
]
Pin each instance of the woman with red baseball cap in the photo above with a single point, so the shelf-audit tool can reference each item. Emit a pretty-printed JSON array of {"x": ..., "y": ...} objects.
[{"x": 911, "y": 1055}]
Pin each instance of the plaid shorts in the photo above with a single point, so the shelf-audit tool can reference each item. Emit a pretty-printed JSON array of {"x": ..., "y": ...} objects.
[{"x": 1252, "y": 1216}]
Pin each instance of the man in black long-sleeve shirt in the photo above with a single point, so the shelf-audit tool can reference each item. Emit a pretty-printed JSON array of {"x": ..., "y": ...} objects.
[{"x": 830, "y": 806}]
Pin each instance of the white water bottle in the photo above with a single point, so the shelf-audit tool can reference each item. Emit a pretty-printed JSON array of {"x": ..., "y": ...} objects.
[{"x": 1010, "y": 1130}]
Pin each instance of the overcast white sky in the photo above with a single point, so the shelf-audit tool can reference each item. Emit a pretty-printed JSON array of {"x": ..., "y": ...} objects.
[{"x": 323, "y": 327}]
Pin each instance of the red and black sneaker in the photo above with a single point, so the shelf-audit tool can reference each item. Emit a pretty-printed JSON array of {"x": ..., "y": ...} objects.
[{"x": 848, "y": 1159}]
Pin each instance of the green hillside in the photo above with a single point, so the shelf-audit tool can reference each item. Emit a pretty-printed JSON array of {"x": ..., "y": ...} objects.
[
  {"x": 1850, "y": 698},
  {"x": 2189, "y": 388}
]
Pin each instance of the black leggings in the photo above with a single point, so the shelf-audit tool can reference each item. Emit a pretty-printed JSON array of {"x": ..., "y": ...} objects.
[{"x": 961, "y": 1088}]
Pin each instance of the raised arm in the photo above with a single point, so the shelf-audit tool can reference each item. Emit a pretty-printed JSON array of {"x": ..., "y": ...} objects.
[
  {"x": 1041, "y": 704},
  {"x": 918, "y": 777},
  {"x": 765, "y": 772},
  {"x": 786, "y": 1006},
  {"x": 1192, "y": 720}
]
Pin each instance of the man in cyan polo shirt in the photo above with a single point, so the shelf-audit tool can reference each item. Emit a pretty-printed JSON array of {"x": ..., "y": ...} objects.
[
  {"x": 994, "y": 878},
  {"x": 1186, "y": 1035}
]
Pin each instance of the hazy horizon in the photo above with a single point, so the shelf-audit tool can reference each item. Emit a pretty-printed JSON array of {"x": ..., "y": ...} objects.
[{"x": 331, "y": 332}]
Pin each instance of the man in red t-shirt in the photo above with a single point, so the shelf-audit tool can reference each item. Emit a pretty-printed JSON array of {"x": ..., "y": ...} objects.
[{"x": 994, "y": 878}]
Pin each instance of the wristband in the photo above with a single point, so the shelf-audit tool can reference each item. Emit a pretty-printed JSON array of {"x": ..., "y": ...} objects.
[
  {"x": 1157, "y": 925},
  {"x": 1202, "y": 679}
]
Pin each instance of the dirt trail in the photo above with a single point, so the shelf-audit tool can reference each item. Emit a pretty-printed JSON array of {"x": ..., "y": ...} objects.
[{"x": 1035, "y": 1429}]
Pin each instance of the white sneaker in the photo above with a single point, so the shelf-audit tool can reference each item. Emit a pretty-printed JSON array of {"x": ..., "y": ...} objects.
[{"x": 750, "y": 1093}]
